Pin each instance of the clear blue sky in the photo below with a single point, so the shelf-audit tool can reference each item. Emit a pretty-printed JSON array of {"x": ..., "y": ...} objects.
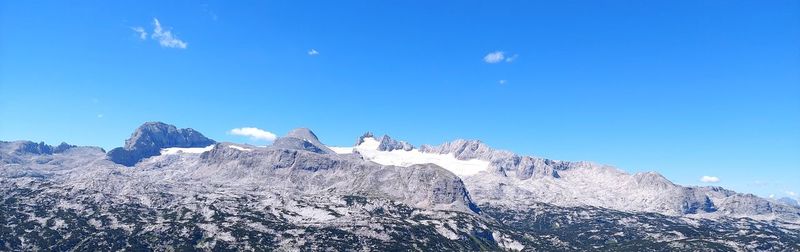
[{"x": 685, "y": 88}]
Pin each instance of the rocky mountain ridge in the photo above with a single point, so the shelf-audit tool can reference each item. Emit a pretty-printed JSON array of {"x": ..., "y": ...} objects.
[
  {"x": 299, "y": 194},
  {"x": 515, "y": 180}
]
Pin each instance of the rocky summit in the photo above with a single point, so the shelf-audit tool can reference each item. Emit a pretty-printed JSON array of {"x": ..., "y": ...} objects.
[
  {"x": 174, "y": 189},
  {"x": 151, "y": 137}
]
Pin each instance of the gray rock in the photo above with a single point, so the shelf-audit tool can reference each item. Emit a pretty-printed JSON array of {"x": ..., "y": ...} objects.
[
  {"x": 467, "y": 149},
  {"x": 424, "y": 186},
  {"x": 302, "y": 139},
  {"x": 29, "y": 147},
  {"x": 789, "y": 201},
  {"x": 389, "y": 144},
  {"x": 151, "y": 137},
  {"x": 663, "y": 195},
  {"x": 361, "y": 138},
  {"x": 501, "y": 162}
]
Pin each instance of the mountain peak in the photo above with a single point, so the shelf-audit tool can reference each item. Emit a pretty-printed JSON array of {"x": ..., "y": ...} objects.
[
  {"x": 149, "y": 138},
  {"x": 305, "y": 134},
  {"x": 39, "y": 148},
  {"x": 463, "y": 149},
  {"x": 653, "y": 179},
  {"x": 360, "y": 139},
  {"x": 301, "y": 139},
  {"x": 162, "y": 135},
  {"x": 389, "y": 144}
]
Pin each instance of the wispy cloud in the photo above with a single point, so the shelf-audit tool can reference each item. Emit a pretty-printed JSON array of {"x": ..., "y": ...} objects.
[
  {"x": 161, "y": 34},
  {"x": 494, "y": 57},
  {"x": 253, "y": 133},
  {"x": 791, "y": 193},
  {"x": 709, "y": 179},
  {"x": 313, "y": 52},
  {"x": 512, "y": 58},
  {"x": 140, "y": 30},
  {"x": 165, "y": 37},
  {"x": 502, "y": 82}
]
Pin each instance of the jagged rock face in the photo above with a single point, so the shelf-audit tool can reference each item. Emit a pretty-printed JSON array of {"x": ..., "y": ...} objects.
[
  {"x": 389, "y": 144},
  {"x": 29, "y": 147},
  {"x": 162, "y": 135},
  {"x": 361, "y": 138},
  {"x": 151, "y": 137},
  {"x": 467, "y": 149},
  {"x": 20, "y": 164},
  {"x": 525, "y": 167}
]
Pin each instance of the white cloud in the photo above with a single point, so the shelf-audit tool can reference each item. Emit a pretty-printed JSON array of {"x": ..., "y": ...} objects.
[
  {"x": 165, "y": 37},
  {"x": 709, "y": 179},
  {"x": 512, "y": 58},
  {"x": 313, "y": 52},
  {"x": 161, "y": 34},
  {"x": 99, "y": 115},
  {"x": 502, "y": 82},
  {"x": 141, "y": 31},
  {"x": 790, "y": 193},
  {"x": 494, "y": 57},
  {"x": 253, "y": 133}
]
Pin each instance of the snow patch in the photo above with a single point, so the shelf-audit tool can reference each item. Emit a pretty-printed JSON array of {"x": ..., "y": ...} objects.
[
  {"x": 369, "y": 150},
  {"x": 240, "y": 148},
  {"x": 176, "y": 150},
  {"x": 341, "y": 150}
]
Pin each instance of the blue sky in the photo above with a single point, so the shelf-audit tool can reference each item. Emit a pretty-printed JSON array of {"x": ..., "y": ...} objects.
[{"x": 685, "y": 88}]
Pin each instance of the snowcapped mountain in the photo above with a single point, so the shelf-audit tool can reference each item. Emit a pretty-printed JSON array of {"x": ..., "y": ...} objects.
[{"x": 170, "y": 188}]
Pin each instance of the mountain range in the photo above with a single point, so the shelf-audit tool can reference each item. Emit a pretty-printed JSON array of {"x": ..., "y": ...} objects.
[{"x": 170, "y": 188}]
